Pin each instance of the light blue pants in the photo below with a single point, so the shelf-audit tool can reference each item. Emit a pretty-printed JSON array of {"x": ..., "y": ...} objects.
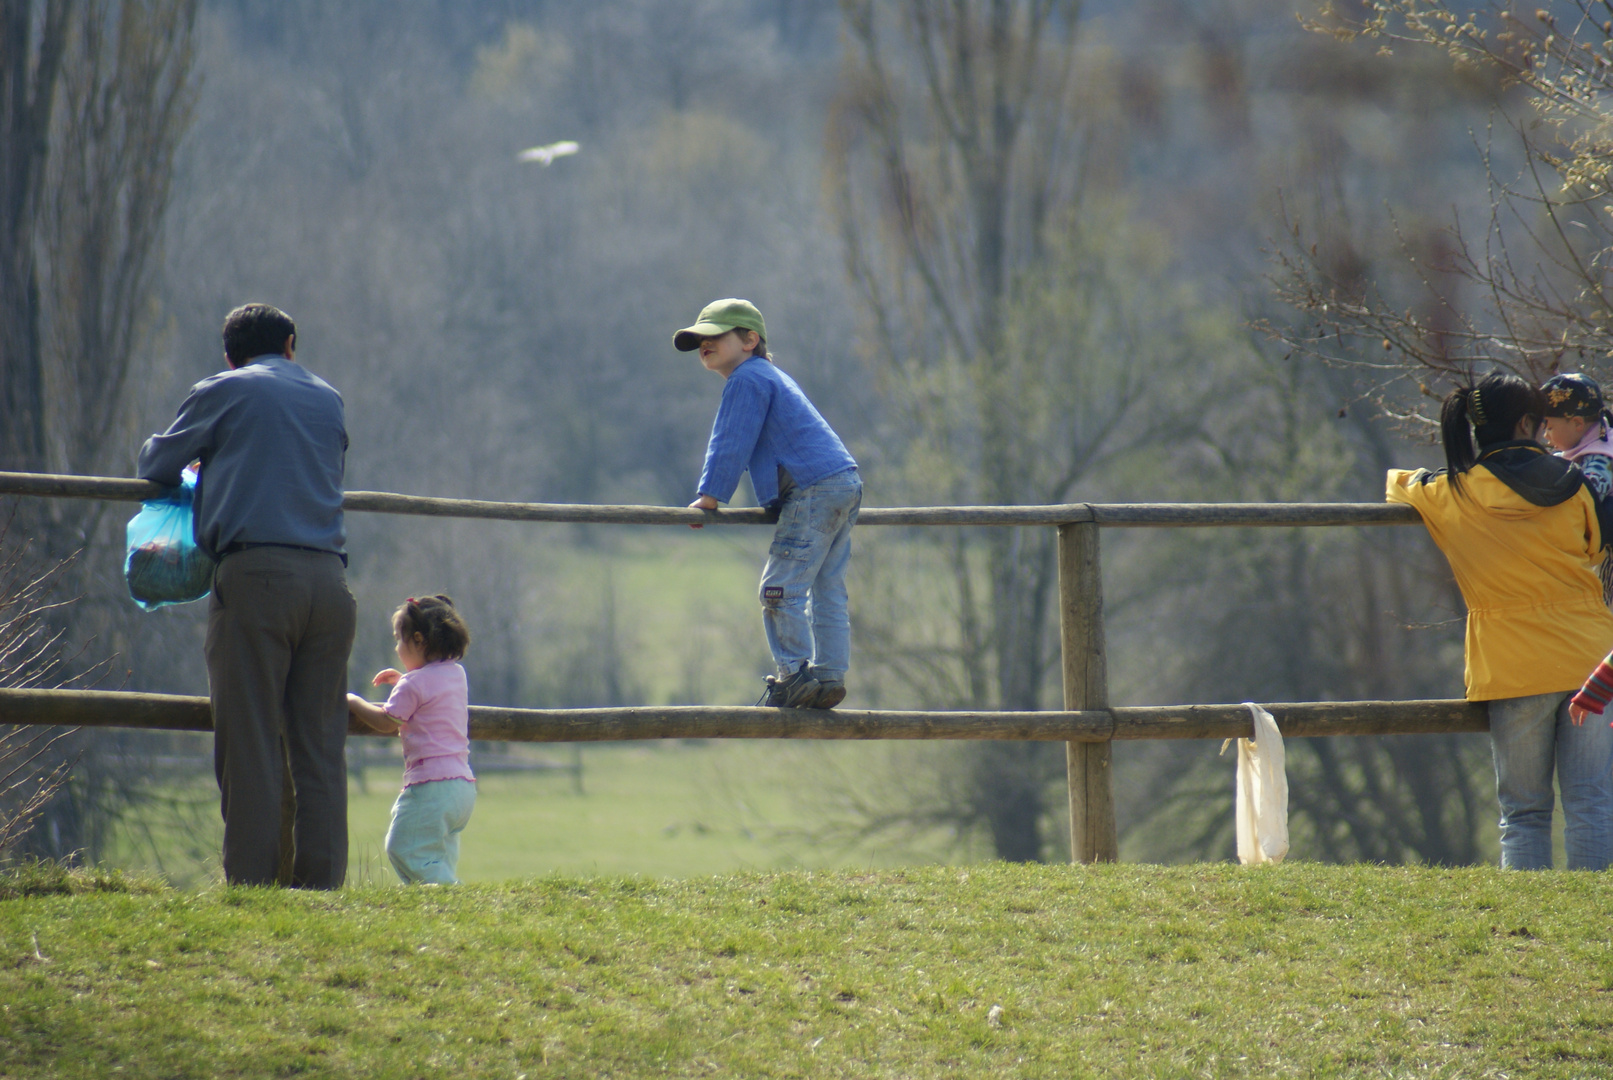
[
  {"x": 423, "y": 842},
  {"x": 803, "y": 588},
  {"x": 1529, "y": 735}
]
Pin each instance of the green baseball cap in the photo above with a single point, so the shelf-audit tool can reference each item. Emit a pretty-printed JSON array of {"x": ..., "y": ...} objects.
[{"x": 717, "y": 318}]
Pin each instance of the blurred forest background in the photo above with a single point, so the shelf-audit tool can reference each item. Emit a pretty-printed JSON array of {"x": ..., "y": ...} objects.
[{"x": 1017, "y": 251}]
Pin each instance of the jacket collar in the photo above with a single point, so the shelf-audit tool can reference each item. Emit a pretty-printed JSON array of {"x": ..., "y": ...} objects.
[
  {"x": 1511, "y": 444},
  {"x": 1539, "y": 478}
]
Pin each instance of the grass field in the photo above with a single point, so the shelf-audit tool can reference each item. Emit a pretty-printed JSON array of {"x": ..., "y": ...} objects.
[
  {"x": 995, "y": 970},
  {"x": 685, "y": 626},
  {"x": 662, "y": 809},
  {"x": 684, "y": 622}
]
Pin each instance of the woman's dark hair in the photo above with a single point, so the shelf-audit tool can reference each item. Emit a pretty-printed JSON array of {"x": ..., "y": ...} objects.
[
  {"x": 437, "y": 622},
  {"x": 1488, "y": 411},
  {"x": 254, "y": 330}
]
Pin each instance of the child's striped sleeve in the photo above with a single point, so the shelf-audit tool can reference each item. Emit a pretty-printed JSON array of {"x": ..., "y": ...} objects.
[
  {"x": 1598, "y": 471},
  {"x": 1594, "y": 695}
]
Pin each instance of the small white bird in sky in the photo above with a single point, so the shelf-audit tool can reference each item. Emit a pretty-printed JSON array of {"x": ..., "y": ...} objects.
[{"x": 547, "y": 154}]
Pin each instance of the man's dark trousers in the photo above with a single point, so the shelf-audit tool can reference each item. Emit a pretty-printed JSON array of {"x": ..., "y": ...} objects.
[{"x": 279, "y": 631}]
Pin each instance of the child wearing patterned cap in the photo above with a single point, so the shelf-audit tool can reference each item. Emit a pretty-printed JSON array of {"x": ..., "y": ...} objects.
[{"x": 1576, "y": 426}]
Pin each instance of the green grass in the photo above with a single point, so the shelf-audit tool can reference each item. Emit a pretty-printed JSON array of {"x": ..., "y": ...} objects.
[
  {"x": 686, "y": 626},
  {"x": 663, "y": 809},
  {"x": 1027, "y": 971}
]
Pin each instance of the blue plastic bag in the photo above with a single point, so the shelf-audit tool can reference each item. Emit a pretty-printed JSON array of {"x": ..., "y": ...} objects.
[{"x": 164, "y": 566}]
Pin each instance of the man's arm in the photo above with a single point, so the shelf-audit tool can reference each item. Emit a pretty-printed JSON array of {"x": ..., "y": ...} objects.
[{"x": 188, "y": 438}]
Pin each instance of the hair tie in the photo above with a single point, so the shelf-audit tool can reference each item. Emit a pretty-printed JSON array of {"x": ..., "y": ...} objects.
[
  {"x": 1475, "y": 407},
  {"x": 412, "y": 600}
]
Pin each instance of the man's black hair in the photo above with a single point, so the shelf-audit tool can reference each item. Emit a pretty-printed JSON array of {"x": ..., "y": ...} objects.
[{"x": 254, "y": 330}]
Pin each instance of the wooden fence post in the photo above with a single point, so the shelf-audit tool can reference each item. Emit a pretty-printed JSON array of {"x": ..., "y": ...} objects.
[{"x": 1092, "y": 803}]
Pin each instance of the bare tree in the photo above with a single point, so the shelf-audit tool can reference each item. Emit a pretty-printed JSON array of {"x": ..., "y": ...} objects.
[
  {"x": 126, "y": 95},
  {"x": 971, "y": 154},
  {"x": 95, "y": 96},
  {"x": 33, "y": 767},
  {"x": 31, "y": 774},
  {"x": 31, "y": 46},
  {"x": 1527, "y": 288},
  {"x": 1522, "y": 286},
  {"x": 34, "y": 762}
]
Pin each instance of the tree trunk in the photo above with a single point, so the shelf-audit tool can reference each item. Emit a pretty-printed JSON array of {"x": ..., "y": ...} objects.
[
  {"x": 94, "y": 98},
  {"x": 31, "y": 48}
]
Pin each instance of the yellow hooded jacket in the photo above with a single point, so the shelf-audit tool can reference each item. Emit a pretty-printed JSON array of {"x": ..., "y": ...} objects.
[{"x": 1536, "y": 623}]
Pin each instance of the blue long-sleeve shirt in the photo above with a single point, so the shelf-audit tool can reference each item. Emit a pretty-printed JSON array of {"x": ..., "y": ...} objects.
[
  {"x": 763, "y": 422},
  {"x": 272, "y": 440}
]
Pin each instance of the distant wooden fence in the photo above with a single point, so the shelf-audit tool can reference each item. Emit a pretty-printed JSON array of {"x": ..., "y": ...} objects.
[{"x": 1087, "y": 725}]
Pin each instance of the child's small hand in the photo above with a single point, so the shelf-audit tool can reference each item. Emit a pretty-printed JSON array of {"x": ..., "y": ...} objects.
[
  {"x": 387, "y": 677},
  {"x": 705, "y": 502},
  {"x": 1577, "y": 713},
  {"x": 371, "y": 715}
]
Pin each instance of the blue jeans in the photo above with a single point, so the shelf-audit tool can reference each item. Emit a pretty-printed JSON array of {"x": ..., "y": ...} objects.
[
  {"x": 803, "y": 588},
  {"x": 1529, "y": 735},
  {"x": 423, "y": 842}
]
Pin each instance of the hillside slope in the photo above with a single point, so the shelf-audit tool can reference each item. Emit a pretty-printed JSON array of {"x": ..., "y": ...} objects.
[{"x": 998, "y": 970}]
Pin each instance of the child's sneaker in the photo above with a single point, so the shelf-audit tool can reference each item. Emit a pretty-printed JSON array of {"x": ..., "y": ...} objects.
[
  {"x": 831, "y": 692},
  {"x": 799, "y": 691}
]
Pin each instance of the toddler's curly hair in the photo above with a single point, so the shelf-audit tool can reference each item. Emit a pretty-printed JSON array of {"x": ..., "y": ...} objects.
[{"x": 438, "y": 623}]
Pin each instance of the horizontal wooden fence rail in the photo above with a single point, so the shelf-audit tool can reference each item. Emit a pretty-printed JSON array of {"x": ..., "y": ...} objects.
[
  {"x": 1087, "y": 725},
  {"x": 170, "y": 712},
  {"x": 1108, "y": 515}
]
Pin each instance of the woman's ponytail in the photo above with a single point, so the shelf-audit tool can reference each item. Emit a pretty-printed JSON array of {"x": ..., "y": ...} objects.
[
  {"x": 1483, "y": 415},
  {"x": 1455, "y": 417}
]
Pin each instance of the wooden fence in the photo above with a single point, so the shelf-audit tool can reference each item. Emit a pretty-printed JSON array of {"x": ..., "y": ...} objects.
[{"x": 1087, "y": 726}]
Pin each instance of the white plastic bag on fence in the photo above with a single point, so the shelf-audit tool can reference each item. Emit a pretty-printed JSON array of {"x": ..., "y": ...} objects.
[{"x": 1261, "y": 793}]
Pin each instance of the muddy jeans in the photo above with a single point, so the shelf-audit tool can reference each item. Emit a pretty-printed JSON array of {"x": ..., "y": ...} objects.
[{"x": 803, "y": 588}]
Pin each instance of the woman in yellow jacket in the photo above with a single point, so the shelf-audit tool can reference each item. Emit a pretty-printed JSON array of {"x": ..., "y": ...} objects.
[{"x": 1520, "y": 530}]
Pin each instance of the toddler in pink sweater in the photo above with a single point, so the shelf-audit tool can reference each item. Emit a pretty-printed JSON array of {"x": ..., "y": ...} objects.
[{"x": 429, "y": 708}]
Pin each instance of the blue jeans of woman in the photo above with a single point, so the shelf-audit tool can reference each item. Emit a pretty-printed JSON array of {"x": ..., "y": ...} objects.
[
  {"x": 423, "y": 842},
  {"x": 803, "y": 588},
  {"x": 1530, "y": 735}
]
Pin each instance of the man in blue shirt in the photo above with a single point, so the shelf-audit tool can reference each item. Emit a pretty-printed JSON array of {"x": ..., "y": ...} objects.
[
  {"x": 272, "y": 441},
  {"x": 765, "y": 425}
]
